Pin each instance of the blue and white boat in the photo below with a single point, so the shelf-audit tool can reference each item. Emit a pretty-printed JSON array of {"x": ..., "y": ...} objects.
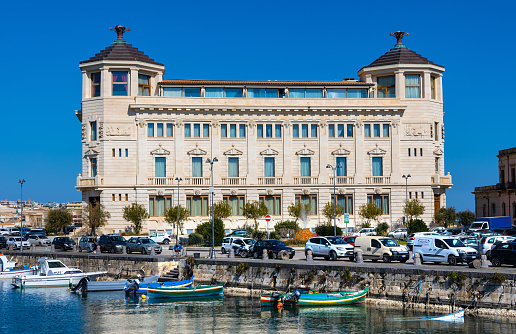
[
  {"x": 135, "y": 287},
  {"x": 7, "y": 268}
]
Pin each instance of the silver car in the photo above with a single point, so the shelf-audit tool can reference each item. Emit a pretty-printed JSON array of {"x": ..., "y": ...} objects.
[
  {"x": 142, "y": 245},
  {"x": 38, "y": 240},
  {"x": 87, "y": 243}
]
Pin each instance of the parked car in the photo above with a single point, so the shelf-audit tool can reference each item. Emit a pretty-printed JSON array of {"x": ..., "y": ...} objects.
[
  {"x": 16, "y": 241},
  {"x": 486, "y": 243},
  {"x": 3, "y": 242},
  {"x": 331, "y": 248},
  {"x": 244, "y": 246},
  {"x": 111, "y": 243},
  {"x": 510, "y": 231},
  {"x": 229, "y": 242},
  {"x": 503, "y": 253},
  {"x": 400, "y": 233},
  {"x": 38, "y": 231},
  {"x": 350, "y": 240},
  {"x": 470, "y": 241},
  {"x": 381, "y": 248},
  {"x": 442, "y": 248},
  {"x": 273, "y": 247},
  {"x": 455, "y": 231},
  {"x": 161, "y": 237},
  {"x": 64, "y": 243},
  {"x": 238, "y": 233},
  {"x": 410, "y": 239},
  {"x": 439, "y": 230},
  {"x": 142, "y": 245},
  {"x": 365, "y": 232},
  {"x": 38, "y": 240},
  {"x": 3, "y": 231},
  {"x": 87, "y": 243}
]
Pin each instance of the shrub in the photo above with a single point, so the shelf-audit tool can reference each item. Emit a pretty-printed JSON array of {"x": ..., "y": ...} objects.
[
  {"x": 195, "y": 239},
  {"x": 416, "y": 225},
  {"x": 327, "y": 229},
  {"x": 274, "y": 235},
  {"x": 204, "y": 229},
  {"x": 497, "y": 278},
  {"x": 303, "y": 235},
  {"x": 382, "y": 229},
  {"x": 287, "y": 228},
  {"x": 242, "y": 268}
]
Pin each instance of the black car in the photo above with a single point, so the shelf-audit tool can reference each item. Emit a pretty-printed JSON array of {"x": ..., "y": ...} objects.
[
  {"x": 503, "y": 253},
  {"x": 112, "y": 243},
  {"x": 274, "y": 247},
  {"x": 64, "y": 243},
  {"x": 3, "y": 242}
]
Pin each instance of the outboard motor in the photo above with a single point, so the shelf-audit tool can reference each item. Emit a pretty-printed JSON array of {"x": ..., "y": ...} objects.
[
  {"x": 134, "y": 286},
  {"x": 294, "y": 296},
  {"x": 81, "y": 287}
]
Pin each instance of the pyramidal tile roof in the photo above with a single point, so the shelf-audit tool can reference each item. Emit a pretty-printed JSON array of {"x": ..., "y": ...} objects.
[{"x": 400, "y": 54}]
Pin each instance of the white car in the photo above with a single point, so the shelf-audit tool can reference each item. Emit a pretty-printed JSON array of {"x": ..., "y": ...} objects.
[
  {"x": 15, "y": 241},
  {"x": 161, "y": 237},
  {"x": 230, "y": 242},
  {"x": 38, "y": 240},
  {"x": 400, "y": 233},
  {"x": 365, "y": 232},
  {"x": 487, "y": 243},
  {"x": 439, "y": 248},
  {"x": 331, "y": 248},
  {"x": 439, "y": 230},
  {"x": 3, "y": 231},
  {"x": 413, "y": 236}
]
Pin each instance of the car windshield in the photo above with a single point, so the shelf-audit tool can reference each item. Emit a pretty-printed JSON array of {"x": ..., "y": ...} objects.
[
  {"x": 389, "y": 243},
  {"x": 454, "y": 243},
  {"x": 146, "y": 241},
  {"x": 336, "y": 241},
  {"x": 277, "y": 243},
  {"x": 67, "y": 239},
  {"x": 118, "y": 238},
  {"x": 249, "y": 241},
  {"x": 56, "y": 264}
]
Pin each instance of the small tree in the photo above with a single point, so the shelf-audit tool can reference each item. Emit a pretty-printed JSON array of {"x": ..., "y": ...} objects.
[
  {"x": 95, "y": 216},
  {"x": 382, "y": 229},
  {"x": 327, "y": 230},
  {"x": 446, "y": 216},
  {"x": 370, "y": 212},
  {"x": 58, "y": 219},
  {"x": 204, "y": 229},
  {"x": 222, "y": 209},
  {"x": 328, "y": 211},
  {"x": 298, "y": 210},
  {"x": 136, "y": 214},
  {"x": 465, "y": 217},
  {"x": 255, "y": 210},
  {"x": 287, "y": 228},
  {"x": 171, "y": 216},
  {"x": 416, "y": 225},
  {"x": 195, "y": 239},
  {"x": 414, "y": 209}
]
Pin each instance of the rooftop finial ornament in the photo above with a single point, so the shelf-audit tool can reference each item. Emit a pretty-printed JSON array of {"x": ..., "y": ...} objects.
[
  {"x": 120, "y": 31},
  {"x": 399, "y": 36}
]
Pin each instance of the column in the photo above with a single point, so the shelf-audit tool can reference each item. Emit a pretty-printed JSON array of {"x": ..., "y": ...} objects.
[
  {"x": 105, "y": 82},
  {"x": 324, "y": 173},
  {"x": 179, "y": 138},
  {"x": 215, "y": 152},
  {"x": 86, "y": 87},
  {"x": 426, "y": 88},
  {"x": 287, "y": 172},
  {"x": 359, "y": 154},
  {"x": 141, "y": 152},
  {"x": 395, "y": 154},
  {"x": 400, "y": 84},
  {"x": 253, "y": 158},
  {"x": 133, "y": 85}
]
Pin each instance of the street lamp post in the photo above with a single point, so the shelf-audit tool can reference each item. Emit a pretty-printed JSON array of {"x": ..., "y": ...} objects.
[
  {"x": 212, "y": 192},
  {"x": 178, "y": 179},
  {"x": 21, "y": 182},
  {"x": 334, "y": 197},
  {"x": 406, "y": 177}
]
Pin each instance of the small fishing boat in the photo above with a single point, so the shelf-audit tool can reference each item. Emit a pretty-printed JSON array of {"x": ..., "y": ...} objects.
[
  {"x": 53, "y": 273},
  {"x": 136, "y": 287},
  {"x": 457, "y": 316},
  {"x": 85, "y": 285},
  {"x": 305, "y": 297},
  {"x": 187, "y": 292},
  {"x": 8, "y": 268}
]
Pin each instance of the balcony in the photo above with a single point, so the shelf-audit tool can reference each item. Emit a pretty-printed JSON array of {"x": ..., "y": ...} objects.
[
  {"x": 161, "y": 181},
  {"x": 233, "y": 181},
  {"x": 442, "y": 179},
  {"x": 377, "y": 179},
  {"x": 89, "y": 181},
  {"x": 343, "y": 180},
  {"x": 270, "y": 180},
  {"x": 198, "y": 181},
  {"x": 306, "y": 180}
]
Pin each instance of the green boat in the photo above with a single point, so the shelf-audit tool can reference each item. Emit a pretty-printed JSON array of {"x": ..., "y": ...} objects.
[
  {"x": 185, "y": 292},
  {"x": 305, "y": 297}
]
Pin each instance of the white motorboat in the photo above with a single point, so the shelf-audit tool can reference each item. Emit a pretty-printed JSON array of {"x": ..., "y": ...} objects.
[
  {"x": 85, "y": 285},
  {"x": 8, "y": 268},
  {"x": 53, "y": 273}
]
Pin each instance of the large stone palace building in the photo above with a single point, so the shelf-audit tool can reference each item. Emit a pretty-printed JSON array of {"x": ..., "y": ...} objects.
[{"x": 274, "y": 141}]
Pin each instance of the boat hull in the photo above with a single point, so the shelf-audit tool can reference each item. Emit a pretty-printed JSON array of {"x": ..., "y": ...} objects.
[
  {"x": 188, "y": 292},
  {"x": 39, "y": 281},
  {"x": 143, "y": 287},
  {"x": 316, "y": 299},
  {"x": 13, "y": 273}
]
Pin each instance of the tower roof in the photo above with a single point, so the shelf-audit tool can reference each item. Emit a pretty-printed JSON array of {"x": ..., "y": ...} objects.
[{"x": 121, "y": 50}]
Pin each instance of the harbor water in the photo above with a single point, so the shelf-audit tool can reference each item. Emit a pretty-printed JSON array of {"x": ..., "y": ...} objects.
[{"x": 55, "y": 310}]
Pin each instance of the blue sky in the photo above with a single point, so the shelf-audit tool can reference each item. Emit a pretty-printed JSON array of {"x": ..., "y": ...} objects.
[{"x": 42, "y": 44}]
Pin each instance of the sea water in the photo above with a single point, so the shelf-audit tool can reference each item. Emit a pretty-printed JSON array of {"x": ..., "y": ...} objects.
[{"x": 55, "y": 310}]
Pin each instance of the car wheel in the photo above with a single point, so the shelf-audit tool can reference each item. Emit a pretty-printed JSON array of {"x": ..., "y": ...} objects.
[
  {"x": 495, "y": 261},
  {"x": 386, "y": 258},
  {"x": 223, "y": 250},
  {"x": 333, "y": 256},
  {"x": 243, "y": 253},
  {"x": 255, "y": 255},
  {"x": 166, "y": 241},
  {"x": 452, "y": 260}
]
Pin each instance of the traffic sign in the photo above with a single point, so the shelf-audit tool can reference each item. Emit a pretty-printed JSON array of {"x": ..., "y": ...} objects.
[
  {"x": 268, "y": 218},
  {"x": 346, "y": 218}
]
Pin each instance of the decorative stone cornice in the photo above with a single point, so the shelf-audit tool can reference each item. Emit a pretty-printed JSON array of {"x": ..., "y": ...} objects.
[
  {"x": 197, "y": 151},
  {"x": 341, "y": 151},
  {"x": 91, "y": 152},
  {"x": 376, "y": 151},
  {"x": 269, "y": 151},
  {"x": 233, "y": 151},
  {"x": 305, "y": 151},
  {"x": 160, "y": 151},
  {"x": 438, "y": 151}
]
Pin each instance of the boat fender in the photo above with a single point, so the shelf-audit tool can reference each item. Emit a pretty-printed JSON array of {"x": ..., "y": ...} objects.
[{"x": 280, "y": 306}]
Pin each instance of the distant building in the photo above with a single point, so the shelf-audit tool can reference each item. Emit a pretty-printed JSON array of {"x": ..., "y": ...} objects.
[
  {"x": 76, "y": 211},
  {"x": 499, "y": 199},
  {"x": 273, "y": 140},
  {"x": 35, "y": 218}
]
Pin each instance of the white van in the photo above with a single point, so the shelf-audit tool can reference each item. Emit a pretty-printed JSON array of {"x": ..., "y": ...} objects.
[
  {"x": 381, "y": 248},
  {"x": 443, "y": 249}
]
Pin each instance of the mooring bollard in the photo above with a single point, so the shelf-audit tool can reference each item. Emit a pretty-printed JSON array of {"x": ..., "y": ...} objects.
[
  {"x": 231, "y": 253},
  {"x": 358, "y": 256},
  {"x": 265, "y": 254},
  {"x": 483, "y": 261},
  {"x": 309, "y": 256},
  {"x": 33, "y": 247},
  {"x": 152, "y": 252},
  {"x": 417, "y": 259},
  {"x": 11, "y": 247}
]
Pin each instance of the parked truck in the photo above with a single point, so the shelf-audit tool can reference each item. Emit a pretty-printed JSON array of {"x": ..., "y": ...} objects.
[{"x": 491, "y": 223}]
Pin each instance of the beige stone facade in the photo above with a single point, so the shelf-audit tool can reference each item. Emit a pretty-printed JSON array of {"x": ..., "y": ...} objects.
[{"x": 380, "y": 136}]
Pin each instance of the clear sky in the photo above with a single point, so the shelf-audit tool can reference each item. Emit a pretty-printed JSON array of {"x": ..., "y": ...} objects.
[{"x": 43, "y": 42}]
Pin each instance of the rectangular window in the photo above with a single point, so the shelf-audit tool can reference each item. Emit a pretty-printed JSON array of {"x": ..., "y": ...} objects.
[
  {"x": 233, "y": 92},
  {"x": 331, "y": 130},
  {"x": 277, "y": 130},
  {"x": 172, "y": 91},
  {"x": 255, "y": 92},
  {"x": 313, "y": 93},
  {"x": 415, "y": 152},
  {"x": 197, "y": 205},
  {"x": 436, "y": 165},
  {"x": 197, "y": 130},
  {"x": 113, "y": 197},
  {"x": 192, "y": 92},
  {"x": 214, "y": 92},
  {"x": 305, "y": 168},
  {"x": 268, "y": 130},
  {"x": 143, "y": 85},
  {"x": 119, "y": 152},
  {"x": 160, "y": 167},
  {"x": 377, "y": 166},
  {"x": 259, "y": 131},
  {"x": 236, "y": 203},
  {"x": 387, "y": 87},
  {"x": 95, "y": 84},
  {"x": 196, "y": 167},
  {"x": 93, "y": 170},
  {"x": 376, "y": 130},
  {"x": 420, "y": 152},
  {"x": 233, "y": 167},
  {"x": 158, "y": 205},
  {"x": 436, "y": 134},
  {"x": 367, "y": 130},
  {"x": 169, "y": 130},
  {"x": 409, "y": 152},
  {"x": 341, "y": 166},
  {"x": 381, "y": 201},
  {"x": 119, "y": 83},
  {"x": 350, "y": 130},
  {"x": 344, "y": 201},
  {"x": 268, "y": 170},
  {"x": 310, "y": 200},
  {"x": 432, "y": 87},
  {"x": 93, "y": 130},
  {"x": 360, "y": 93},
  {"x": 412, "y": 88},
  {"x": 296, "y": 93},
  {"x": 114, "y": 152},
  {"x": 313, "y": 130},
  {"x": 340, "y": 130},
  {"x": 242, "y": 130},
  {"x": 120, "y": 197},
  {"x": 336, "y": 93},
  {"x": 159, "y": 128},
  {"x": 295, "y": 130},
  {"x": 273, "y": 204},
  {"x": 126, "y": 152},
  {"x": 150, "y": 130},
  {"x": 223, "y": 130},
  {"x": 126, "y": 197},
  {"x": 304, "y": 130},
  {"x": 188, "y": 130},
  {"x": 271, "y": 93},
  {"x": 385, "y": 130},
  {"x": 232, "y": 131}
]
